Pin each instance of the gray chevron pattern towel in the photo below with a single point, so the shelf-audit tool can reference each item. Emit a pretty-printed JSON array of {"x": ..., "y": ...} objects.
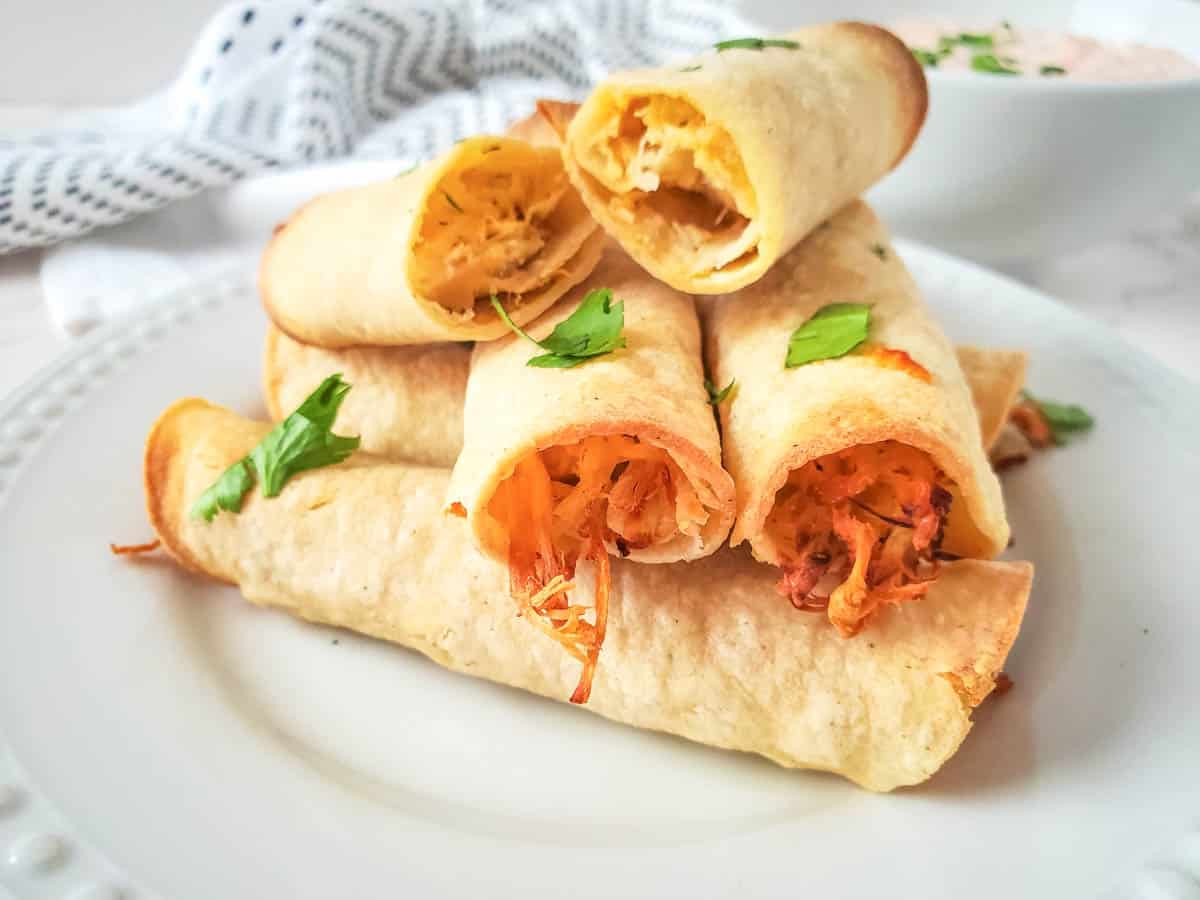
[{"x": 283, "y": 83}]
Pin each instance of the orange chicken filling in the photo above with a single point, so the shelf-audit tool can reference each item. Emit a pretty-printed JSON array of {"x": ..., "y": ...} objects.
[
  {"x": 859, "y": 529},
  {"x": 571, "y": 502}
]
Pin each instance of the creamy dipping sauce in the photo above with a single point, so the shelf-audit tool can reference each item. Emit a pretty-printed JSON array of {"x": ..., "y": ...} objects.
[{"x": 1005, "y": 50}]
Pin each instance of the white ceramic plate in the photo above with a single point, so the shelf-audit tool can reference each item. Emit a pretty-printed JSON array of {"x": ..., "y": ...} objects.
[{"x": 162, "y": 738}]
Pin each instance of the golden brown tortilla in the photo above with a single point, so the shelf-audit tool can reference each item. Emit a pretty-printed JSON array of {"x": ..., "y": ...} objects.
[
  {"x": 995, "y": 378},
  {"x": 703, "y": 650},
  {"x": 709, "y": 171},
  {"x": 414, "y": 260}
]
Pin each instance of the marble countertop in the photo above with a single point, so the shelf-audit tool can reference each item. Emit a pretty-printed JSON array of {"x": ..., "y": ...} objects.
[{"x": 1146, "y": 286}]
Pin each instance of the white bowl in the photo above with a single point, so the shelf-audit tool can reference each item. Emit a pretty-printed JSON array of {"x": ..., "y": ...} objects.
[{"x": 1010, "y": 170}]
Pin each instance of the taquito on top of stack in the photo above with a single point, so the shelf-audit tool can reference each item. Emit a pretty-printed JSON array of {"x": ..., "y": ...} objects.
[{"x": 708, "y": 171}]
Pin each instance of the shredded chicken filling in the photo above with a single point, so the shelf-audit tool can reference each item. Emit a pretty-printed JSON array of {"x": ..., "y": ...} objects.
[
  {"x": 860, "y": 529},
  {"x": 679, "y": 178},
  {"x": 572, "y": 502},
  {"x": 505, "y": 224}
]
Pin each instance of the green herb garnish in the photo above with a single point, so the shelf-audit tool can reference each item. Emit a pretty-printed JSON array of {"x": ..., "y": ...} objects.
[
  {"x": 927, "y": 57},
  {"x": 1052, "y": 70},
  {"x": 975, "y": 40},
  {"x": 451, "y": 200},
  {"x": 989, "y": 62},
  {"x": 880, "y": 251},
  {"x": 947, "y": 43},
  {"x": 752, "y": 43},
  {"x": 832, "y": 331},
  {"x": 303, "y": 441},
  {"x": 691, "y": 68},
  {"x": 594, "y": 329},
  {"x": 1063, "y": 418},
  {"x": 715, "y": 397}
]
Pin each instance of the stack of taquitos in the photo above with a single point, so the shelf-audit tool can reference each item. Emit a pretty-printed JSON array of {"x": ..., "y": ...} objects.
[
  {"x": 701, "y": 649},
  {"x": 859, "y": 476}
]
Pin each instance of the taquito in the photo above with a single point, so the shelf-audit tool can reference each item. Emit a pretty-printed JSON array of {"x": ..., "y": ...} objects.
[
  {"x": 415, "y": 259},
  {"x": 709, "y": 171},
  {"x": 854, "y": 474},
  {"x": 699, "y": 649},
  {"x": 407, "y": 402},
  {"x": 995, "y": 379},
  {"x": 617, "y": 455}
]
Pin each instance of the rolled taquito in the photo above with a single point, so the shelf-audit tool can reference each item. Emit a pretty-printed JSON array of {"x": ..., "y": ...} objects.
[
  {"x": 416, "y": 259},
  {"x": 995, "y": 379},
  {"x": 407, "y": 402},
  {"x": 708, "y": 171},
  {"x": 618, "y": 455},
  {"x": 854, "y": 474},
  {"x": 697, "y": 649}
]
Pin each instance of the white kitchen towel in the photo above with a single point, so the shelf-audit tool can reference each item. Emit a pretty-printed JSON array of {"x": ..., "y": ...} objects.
[{"x": 285, "y": 83}]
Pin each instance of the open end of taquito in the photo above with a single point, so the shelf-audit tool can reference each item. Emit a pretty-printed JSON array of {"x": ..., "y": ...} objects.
[
  {"x": 707, "y": 171},
  {"x": 501, "y": 219},
  {"x": 859, "y": 475},
  {"x": 416, "y": 259},
  {"x": 655, "y": 162},
  {"x": 703, "y": 650}
]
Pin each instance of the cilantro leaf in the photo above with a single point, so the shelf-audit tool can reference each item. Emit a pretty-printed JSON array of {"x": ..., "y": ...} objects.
[
  {"x": 989, "y": 62},
  {"x": 691, "y": 69},
  {"x": 715, "y": 397},
  {"x": 226, "y": 493},
  {"x": 975, "y": 40},
  {"x": 302, "y": 441},
  {"x": 1063, "y": 418},
  {"x": 453, "y": 203},
  {"x": 753, "y": 43},
  {"x": 832, "y": 331},
  {"x": 1052, "y": 70},
  {"x": 593, "y": 329},
  {"x": 880, "y": 251},
  {"x": 927, "y": 57}
]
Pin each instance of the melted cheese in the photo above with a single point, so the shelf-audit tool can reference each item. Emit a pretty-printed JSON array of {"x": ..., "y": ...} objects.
[{"x": 506, "y": 222}]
